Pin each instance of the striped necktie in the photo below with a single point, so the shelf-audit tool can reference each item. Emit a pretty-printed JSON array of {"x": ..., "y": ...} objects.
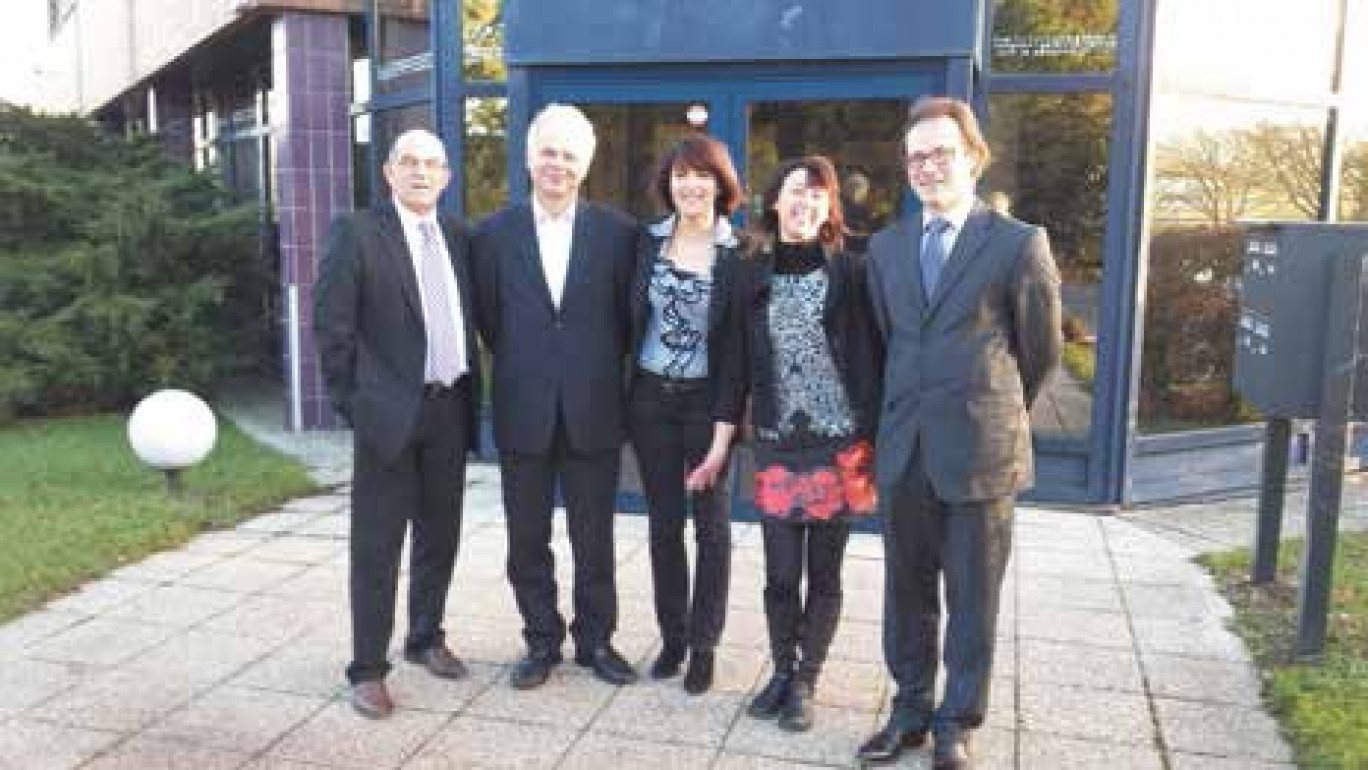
[{"x": 445, "y": 359}]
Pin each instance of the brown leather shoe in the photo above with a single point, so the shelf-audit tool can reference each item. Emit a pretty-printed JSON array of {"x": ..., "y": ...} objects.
[
  {"x": 372, "y": 699},
  {"x": 439, "y": 661}
]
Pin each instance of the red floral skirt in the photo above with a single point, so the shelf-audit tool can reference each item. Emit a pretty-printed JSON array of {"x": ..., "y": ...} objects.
[{"x": 829, "y": 481}]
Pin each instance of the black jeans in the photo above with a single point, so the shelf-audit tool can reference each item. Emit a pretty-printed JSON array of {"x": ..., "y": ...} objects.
[
  {"x": 671, "y": 429},
  {"x": 420, "y": 492},
  {"x": 799, "y": 625}
]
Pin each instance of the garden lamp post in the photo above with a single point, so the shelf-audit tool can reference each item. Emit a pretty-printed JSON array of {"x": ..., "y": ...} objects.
[{"x": 171, "y": 430}]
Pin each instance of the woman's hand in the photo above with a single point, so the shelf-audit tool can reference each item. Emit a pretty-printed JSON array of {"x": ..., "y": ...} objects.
[{"x": 705, "y": 475}]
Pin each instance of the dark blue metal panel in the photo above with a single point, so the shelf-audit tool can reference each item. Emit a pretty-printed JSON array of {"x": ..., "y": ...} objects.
[
  {"x": 539, "y": 32},
  {"x": 1121, "y": 326},
  {"x": 448, "y": 97}
]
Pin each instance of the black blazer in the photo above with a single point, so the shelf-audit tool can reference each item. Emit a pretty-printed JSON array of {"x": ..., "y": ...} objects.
[
  {"x": 964, "y": 365},
  {"x": 728, "y": 404},
  {"x": 845, "y": 318},
  {"x": 551, "y": 361},
  {"x": 368, "y": 325}
]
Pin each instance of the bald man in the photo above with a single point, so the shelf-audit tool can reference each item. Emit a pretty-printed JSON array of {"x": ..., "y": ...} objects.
[
  {"x": 395, "y": 328},
  {"x": 553, "y": 277}
]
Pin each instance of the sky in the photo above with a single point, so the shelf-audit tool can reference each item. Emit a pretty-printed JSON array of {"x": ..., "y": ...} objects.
[{"x": 23, "y": 35}]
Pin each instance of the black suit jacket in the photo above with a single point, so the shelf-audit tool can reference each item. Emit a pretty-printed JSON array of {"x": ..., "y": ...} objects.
[
  {"x": 963, "y": 366},
  {"x": 368, "y": 324},
  {"x": 549, "y": 360}
]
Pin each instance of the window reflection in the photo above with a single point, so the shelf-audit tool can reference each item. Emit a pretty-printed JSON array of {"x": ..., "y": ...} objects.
[
  {"x": 1050, "y": 168},
  {"x": 486, "y": 156},
  {"x": 482, "y": 39},
  {"x": 1216, "y": 163},
  {"x": 859, "y": 136},
  {"x": 630, "y": 139},
  {"x": 405, "y": 45},
  {"x": 1260, "y": 48},
  {"x": 1054, "y": 36},
  {"x": 1353, "y": 192}
]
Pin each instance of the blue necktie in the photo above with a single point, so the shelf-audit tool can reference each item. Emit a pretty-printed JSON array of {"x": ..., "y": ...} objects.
[{"x": 933, "y": 254}]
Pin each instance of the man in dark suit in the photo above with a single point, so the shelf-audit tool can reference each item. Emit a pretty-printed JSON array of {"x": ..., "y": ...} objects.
[
  {"x": 967, "y": 304},
  {"x": 553, "y": 277},
  {"x": 395, "y": 331}
]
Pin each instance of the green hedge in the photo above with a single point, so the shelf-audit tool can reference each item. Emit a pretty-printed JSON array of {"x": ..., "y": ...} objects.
[{"x": 121, "y": 270}]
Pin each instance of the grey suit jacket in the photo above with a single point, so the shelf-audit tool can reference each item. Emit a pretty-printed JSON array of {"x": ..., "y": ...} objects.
[
  {"x": 368, "y": 325},
  {"x": 963, "y": 366}
]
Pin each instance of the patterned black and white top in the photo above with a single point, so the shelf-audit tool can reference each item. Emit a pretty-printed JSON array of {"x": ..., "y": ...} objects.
[
  {"x": 676, "y": 343},
  {"x": 810, "y": 398}
]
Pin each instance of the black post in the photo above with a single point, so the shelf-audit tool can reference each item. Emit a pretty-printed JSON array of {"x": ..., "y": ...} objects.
[
  {"x": 1272, "y": 491},
  {"x": 1343, "y": 322},
  {"x": 173, "y": 482}
]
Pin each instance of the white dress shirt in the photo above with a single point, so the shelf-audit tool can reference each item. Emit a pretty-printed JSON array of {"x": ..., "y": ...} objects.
[
  {"x": 554, "y": 233},
  {"x": 413, "y": 236}
]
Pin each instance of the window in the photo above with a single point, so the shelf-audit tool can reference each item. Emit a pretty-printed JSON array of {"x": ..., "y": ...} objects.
[
  {"x": 1050, "y": 168},
  {"x": 1054, "y": 36}
]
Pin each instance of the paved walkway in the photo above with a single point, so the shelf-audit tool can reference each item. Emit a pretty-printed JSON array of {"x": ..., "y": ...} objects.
[{"x": 228, "y": 653}]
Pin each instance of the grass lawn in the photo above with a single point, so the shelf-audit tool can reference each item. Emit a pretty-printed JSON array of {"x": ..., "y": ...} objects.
[
  {"x": 1323, "y": 708},
  {"x": 75, "y": 502}
]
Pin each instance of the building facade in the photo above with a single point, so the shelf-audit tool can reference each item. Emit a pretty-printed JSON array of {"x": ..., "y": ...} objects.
[{"x": 1141, "y": 133}]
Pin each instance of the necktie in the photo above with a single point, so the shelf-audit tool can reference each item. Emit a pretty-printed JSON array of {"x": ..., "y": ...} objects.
[
  {"x": 933, "y": 254},
  {"x": 444, "y": 359}
]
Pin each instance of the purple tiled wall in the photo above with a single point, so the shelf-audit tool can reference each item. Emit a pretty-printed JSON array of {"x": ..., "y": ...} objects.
[{"x": 311, "y": 72}]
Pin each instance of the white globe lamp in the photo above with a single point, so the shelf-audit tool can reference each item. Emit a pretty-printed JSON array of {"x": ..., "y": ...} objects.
[{"x": 171, "y": 430}]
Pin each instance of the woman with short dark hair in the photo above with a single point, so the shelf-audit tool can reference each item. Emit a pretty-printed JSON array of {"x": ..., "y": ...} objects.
[{"x": 681, "y": 418}]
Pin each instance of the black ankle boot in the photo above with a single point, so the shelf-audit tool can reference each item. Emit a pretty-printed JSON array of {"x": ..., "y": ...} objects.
[
  {"x": 767, "y": 704},
  {"x": 796, "y": 713},
  {"x": 667, "y": 664},
  {"x": 699, "y": 677}
]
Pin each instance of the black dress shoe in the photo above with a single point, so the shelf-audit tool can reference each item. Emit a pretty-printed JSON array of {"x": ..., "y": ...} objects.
[
  {"x": 607, "y": 665},
  {"x": 533, "y": 670},
  {"x": 952, "y": 752},
  {"x": 670, "y": 660},
  {"x": 887, "y": 744},
  {"x": 439, "y": 661},
  {"x": 699, "y": 678},
  {"x": 795, "y": 715},
  {"x": 766, "y": 705}
]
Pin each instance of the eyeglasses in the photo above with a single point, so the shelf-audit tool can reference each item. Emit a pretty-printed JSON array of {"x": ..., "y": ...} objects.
[
  {"x": 412, "y": 163},
  {"x": 940, "y": 156}
]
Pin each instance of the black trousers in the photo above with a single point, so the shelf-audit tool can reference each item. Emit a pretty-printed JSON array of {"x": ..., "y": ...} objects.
[
  {"x": 671, "y": 429},
  {"x": 801, "y": 628},
  {"x": 419, "y": 492},
  {"x": 965, "y": 545},
  {"x": 588, "y": 483}
]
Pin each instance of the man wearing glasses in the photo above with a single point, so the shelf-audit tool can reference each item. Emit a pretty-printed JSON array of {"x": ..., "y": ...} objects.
[
  {"x": 966, "y": 300},
  {"x": 394, "y": 322}
]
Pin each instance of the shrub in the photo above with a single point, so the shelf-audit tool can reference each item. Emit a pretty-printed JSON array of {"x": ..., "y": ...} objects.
[{"x": 121, "y": 270}]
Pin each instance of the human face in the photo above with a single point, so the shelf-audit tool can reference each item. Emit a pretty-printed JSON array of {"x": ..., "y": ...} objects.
[
  {"x": 802, "y": 207},
  {"x": 555, "y": 164},
  {"x": 693, "y": 191},
  {"x": 940, "y": 169},
  {"x": 417, "y": 171}
]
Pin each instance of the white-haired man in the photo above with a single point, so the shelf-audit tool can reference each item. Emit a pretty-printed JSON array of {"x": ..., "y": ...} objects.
[
  {"x": 395, "y": 330},
  {"x": 553, "y": 276}
]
